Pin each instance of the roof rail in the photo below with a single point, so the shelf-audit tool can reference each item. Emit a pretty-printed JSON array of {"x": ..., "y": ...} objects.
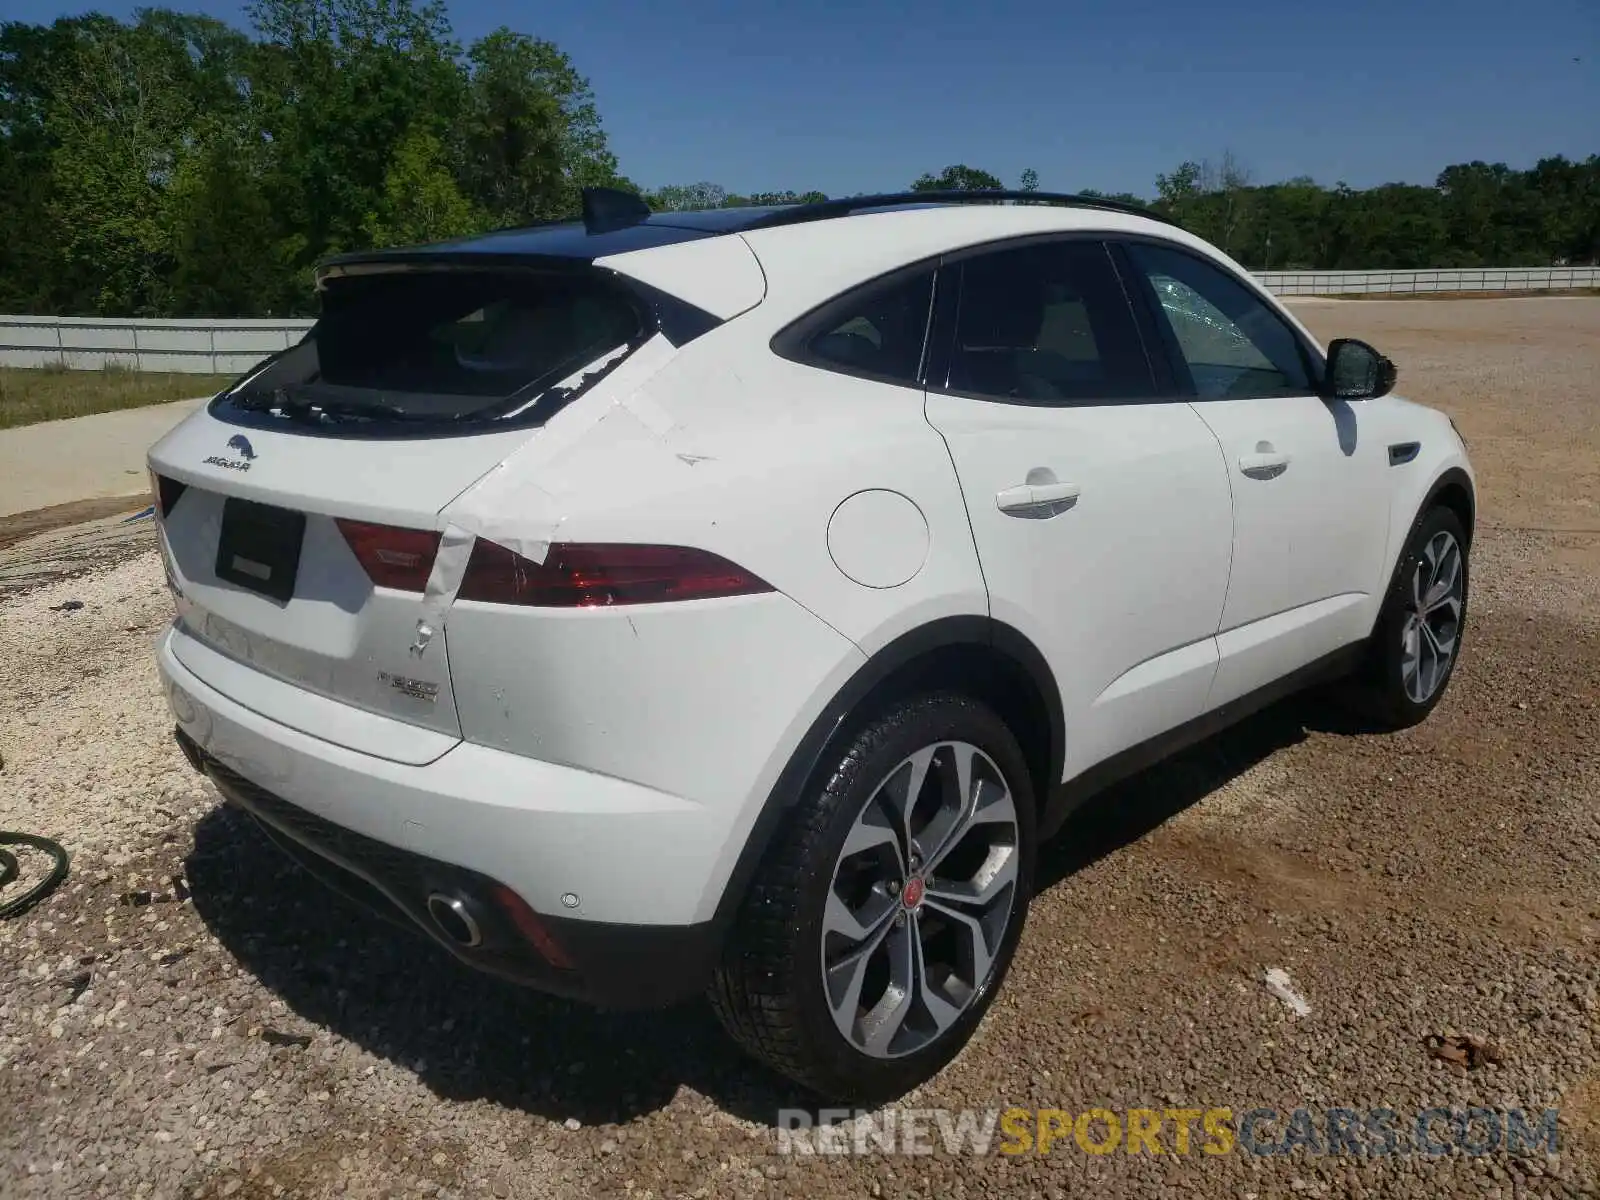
[{"x": 824, "y": 209}]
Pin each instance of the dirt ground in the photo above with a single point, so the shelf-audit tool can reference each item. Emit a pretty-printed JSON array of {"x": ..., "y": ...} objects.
[{"x": 190, "y": 1017}]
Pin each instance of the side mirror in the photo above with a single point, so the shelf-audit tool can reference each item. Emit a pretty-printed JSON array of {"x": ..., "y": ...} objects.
[{"x": 1356, "y": 372}]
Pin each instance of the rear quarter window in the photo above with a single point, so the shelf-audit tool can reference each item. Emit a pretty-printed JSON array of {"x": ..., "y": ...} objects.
[{"x": 877, "y": 331}]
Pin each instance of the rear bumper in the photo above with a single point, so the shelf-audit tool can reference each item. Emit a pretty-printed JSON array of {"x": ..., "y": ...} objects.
[{"x": 630, "y": 861}]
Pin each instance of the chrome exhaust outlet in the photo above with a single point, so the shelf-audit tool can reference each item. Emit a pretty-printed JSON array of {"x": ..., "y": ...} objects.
[{"x": 454, "y": 919}]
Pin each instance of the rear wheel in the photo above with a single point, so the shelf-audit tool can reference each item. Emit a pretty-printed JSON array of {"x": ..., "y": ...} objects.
[
  {"x": 1418, "y": 637},
  {"x": 884, "y": 919}
]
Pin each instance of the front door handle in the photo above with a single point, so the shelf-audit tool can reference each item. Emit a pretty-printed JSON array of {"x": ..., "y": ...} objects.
[
  {"x": 1265, "y": 463},
  {"x": 1037, "y": 500}
]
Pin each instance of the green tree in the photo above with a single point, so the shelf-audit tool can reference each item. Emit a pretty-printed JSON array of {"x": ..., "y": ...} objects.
[
  {"x": 1029, "y": 181},
  {"x": 224, "y": 252},
  {"x": 1119, "y": 197},
  {"x": 420, "y": 201},
  {"x": 683, "y": 197},
  {"x": 959, "y": 178},
  {"x": 126, "y": 106},
  {"x": 1179, "y": 190},
  {"x": 339, "y": 86},
  {"x": 531, "y": 137}
]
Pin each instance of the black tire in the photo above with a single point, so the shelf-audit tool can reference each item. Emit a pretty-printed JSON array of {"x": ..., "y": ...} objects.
[
  {"x": 1379, "y": 690},
  {"x": 768, "y": 991}
]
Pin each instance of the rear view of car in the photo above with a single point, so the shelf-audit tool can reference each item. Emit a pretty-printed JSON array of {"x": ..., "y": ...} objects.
[{"x": 481, "y": 732}]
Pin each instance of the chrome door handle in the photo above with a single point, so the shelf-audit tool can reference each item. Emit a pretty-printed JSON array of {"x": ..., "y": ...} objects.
[
  {"x": 1264, "y": 464},
  {"x": 1037, "y": 500}
]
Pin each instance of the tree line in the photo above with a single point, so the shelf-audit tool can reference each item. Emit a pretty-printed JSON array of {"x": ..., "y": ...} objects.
[{"x": 171, "y": 164}]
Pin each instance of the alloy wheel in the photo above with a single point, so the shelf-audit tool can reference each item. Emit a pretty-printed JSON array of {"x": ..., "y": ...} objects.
[
  {"x": 1432, "y": 625},
  {"x": 920, "y": 900}
]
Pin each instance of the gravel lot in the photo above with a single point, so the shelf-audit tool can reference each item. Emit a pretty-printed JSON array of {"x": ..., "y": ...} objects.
[{"x": 189, "y": 1017}]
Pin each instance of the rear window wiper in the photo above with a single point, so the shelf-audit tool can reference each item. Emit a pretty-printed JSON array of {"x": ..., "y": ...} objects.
[{"x": 299, "y": 402}]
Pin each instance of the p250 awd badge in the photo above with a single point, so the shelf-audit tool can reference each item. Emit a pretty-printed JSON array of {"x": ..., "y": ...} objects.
[
  {"x": 417, "y": 689},
  {"x": 241, "y": 446}
]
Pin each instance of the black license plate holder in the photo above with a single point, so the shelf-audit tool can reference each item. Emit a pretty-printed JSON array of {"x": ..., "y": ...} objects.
[{"x": 259, "y": 547}]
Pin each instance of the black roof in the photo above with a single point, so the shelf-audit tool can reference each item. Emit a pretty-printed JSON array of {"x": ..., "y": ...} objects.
[{"x": 624, "y": 224}]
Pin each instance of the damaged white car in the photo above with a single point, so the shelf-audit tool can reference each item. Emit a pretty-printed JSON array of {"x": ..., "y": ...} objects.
[{"x": 729, "y": 602}]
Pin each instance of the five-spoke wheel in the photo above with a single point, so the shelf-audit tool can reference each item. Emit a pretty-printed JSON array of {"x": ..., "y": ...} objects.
[
  {"x": 921, "y": 895},
  {"x": 881, "y": 924},
  {"x": 1428, "y": 633}
]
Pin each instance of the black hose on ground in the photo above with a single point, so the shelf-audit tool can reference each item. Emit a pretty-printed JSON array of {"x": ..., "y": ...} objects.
[{"x": 9, "y": 870}]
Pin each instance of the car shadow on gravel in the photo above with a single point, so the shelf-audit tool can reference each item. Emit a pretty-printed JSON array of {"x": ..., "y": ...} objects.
[
  {"x": 470, "y": 1037},
  {"x": 1127, "y": 811},
  {"x": 466, "y": 1035}
]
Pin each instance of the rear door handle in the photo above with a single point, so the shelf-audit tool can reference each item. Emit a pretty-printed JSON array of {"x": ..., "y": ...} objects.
[
  {"x": 1037, "y": 500},
  {"x": 1264, "y": 464}
]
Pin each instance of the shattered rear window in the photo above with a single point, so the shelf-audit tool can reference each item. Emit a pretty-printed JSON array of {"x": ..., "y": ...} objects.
[{"x": 444, "y": 346}]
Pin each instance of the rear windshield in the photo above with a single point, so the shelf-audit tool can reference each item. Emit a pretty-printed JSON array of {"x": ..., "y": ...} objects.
[{"x": 459, "y": 346}]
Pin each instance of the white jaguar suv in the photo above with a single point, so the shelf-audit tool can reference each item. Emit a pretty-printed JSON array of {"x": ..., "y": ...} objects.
[{"x": 729, "y": 602}]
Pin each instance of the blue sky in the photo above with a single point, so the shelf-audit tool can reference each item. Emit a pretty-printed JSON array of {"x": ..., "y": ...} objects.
[{"x": 866, "y": 95}]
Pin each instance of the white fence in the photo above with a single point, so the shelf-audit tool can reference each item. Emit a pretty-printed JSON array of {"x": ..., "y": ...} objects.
[
  {"x": 1466, "y": 279},
  {"x": 205, "y": 346},
  {"x": 198, "y": 346}
]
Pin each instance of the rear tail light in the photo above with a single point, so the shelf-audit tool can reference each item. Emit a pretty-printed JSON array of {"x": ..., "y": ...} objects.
[
  {"x": 164, "y": 493},
  {"x": 392, "y": 557},
  {"x": 592, "y": 575},
  {"x": 572, "y": 575}
]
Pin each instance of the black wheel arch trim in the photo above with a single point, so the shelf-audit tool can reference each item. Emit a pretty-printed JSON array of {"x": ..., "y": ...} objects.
[
  {"x": 1451, "y": 477},
  {"x": 946, "y": 633}
]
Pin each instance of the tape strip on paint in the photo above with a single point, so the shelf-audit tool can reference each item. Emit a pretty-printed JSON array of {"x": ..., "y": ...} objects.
[{"x": 510, "y": 504}]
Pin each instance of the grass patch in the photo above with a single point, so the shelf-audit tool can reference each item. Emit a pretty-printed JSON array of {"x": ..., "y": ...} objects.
[{"x": 29, "y": 395}]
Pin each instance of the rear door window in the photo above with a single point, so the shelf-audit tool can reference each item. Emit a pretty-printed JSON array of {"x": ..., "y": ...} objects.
[{"x": 1047, "y": 324}]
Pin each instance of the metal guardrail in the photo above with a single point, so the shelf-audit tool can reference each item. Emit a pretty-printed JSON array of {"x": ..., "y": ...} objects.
[
  {"x": 1465, "y": 279},
  {"x": 198, "y": 345},
  {"x": 207, "y": 346}
]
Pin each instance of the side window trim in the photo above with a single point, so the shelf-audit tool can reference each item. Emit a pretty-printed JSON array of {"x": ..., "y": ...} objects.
[
  {"x": 941, "y": 341},
  {"x": 1173, "y": 381},
  {"x": 948, "y": 289},
  {"x": 793, "y": 340},
  {"x": 1314, "y": 363}
]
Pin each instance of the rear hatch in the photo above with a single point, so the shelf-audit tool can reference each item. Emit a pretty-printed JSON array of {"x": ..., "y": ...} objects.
[{"x": 299, "y": 509}]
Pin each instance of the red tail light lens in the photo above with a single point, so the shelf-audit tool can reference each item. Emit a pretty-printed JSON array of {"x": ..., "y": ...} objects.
[
  {"x": 593, "y": 575},
  {"x": 392, "y": 557}
]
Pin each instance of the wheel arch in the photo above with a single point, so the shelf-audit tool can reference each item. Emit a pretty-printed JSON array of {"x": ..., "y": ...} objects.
[
  {"x": 977, "y": 655},
  {"x": 1453, "y": 490}
]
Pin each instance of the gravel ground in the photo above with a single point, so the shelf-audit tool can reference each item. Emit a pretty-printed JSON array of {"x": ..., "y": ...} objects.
[{"x": 190, "y": 1017}]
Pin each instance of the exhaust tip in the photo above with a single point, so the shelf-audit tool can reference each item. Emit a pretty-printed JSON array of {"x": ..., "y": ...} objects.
[{"x": 454, "y": 919}]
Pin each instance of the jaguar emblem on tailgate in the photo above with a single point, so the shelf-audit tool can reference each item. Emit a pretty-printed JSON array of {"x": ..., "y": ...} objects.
[{"x": 241, "y": 446}]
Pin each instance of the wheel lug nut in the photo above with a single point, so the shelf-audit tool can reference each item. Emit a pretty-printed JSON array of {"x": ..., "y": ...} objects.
[{"x": 894, "y": 887}]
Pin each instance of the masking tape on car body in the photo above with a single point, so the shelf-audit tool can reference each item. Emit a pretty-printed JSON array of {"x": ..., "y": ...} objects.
[{"x": 513, "y": 504}]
